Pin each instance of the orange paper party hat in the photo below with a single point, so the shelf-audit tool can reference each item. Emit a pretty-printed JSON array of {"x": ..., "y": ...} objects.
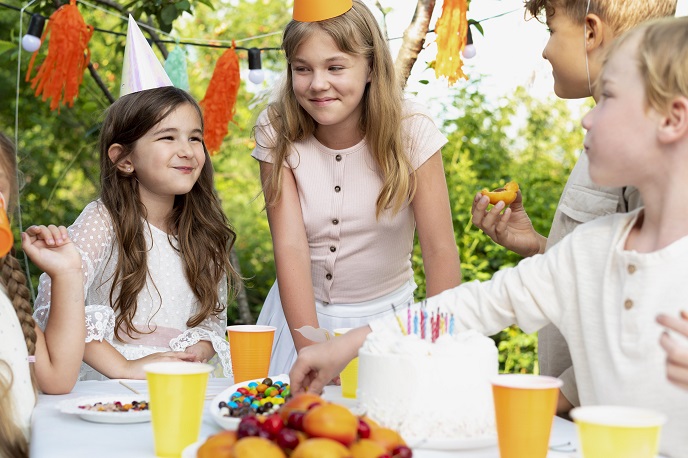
[{"x": 319, "y": 10}]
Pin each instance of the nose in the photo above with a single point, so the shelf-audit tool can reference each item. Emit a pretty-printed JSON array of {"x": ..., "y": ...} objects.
[
  {"x": 587, "y": 120},
  {"x": 185, "y": 150},
  {"x": 319, "y": 81}
]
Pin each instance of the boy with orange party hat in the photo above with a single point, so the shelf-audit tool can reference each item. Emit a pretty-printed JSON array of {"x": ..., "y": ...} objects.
[
  {"x": 581, "y": 32},
  {"x": 156, "y": 280}
]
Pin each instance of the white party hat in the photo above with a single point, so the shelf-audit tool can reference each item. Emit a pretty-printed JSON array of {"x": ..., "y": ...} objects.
[{"x": 141, "y": 70}]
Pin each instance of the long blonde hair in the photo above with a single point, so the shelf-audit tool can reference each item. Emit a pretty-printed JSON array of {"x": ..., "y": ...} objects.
[
  {"x": 355, "y": 32},
  {"x": 204, "y": 234},
  {"x": 12, "y": 440}
]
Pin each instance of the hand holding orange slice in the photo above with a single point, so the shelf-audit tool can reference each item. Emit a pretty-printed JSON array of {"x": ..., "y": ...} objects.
[{"x": 507, "y": 194}]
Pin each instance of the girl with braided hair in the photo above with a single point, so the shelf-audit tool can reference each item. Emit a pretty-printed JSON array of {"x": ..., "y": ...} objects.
[{"x": 29, "y": 357}]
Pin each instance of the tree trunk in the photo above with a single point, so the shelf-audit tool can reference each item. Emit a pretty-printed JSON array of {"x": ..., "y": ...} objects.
[
  {"x": 414, "y": 39},
  {"x": 245, "y": 316}
]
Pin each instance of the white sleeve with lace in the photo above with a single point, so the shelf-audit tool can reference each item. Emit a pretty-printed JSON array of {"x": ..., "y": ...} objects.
[
  {"x": 211, "y": 329},
  {"x": 92, "y": 234}
]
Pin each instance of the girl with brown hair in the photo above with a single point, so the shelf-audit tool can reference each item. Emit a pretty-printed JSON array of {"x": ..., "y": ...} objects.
[{"x": 155, "y": 245}]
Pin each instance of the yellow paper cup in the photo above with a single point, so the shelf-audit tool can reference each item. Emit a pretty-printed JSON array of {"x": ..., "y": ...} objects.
[
  {"x": 177, "y": 392},
  {"x": 524, "y": 410},
  {"x": 250, "y": 347},
  {"x": 349, "y": 376},
  {"x": 618, "y": 432}
]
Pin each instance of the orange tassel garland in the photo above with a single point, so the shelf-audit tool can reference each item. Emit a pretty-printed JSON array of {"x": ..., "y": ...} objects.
[
  {"x": 451, "y": 30},
  {"x": 62, "y": 70},
  {"x": 220, "y": 98}
]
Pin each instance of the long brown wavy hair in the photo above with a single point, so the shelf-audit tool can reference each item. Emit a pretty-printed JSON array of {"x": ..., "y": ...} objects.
[
  {"x": 203, "y": 232},
  {"x": 12, "y": 440},
  {"x": 355, "y": 32}
]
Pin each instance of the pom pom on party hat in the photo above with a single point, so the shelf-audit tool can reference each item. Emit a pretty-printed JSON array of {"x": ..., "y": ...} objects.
[
  {"x": 319, "y": 10},
  {"x": 141, "y": 70}
]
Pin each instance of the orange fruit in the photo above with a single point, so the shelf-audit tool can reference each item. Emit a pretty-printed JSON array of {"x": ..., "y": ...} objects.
[{"x": 321, "y": 447}]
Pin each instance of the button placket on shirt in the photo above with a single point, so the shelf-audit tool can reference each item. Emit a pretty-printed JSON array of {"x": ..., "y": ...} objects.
[
  {"x": 631, "y": 314},
  {"x": 337, "y": 205}
]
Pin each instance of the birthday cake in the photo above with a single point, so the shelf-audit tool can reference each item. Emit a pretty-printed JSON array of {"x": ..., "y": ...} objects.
[{"x": 429, "y": 390}]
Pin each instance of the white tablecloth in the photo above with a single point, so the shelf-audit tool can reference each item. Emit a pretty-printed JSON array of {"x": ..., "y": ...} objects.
[{"x": 55, "y": 434}]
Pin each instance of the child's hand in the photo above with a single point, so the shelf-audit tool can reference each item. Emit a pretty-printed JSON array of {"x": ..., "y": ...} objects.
[
  {"x": 677, "y": 352},
  {"x": 134, "y": 367},
  {"x": 50, "y": 248},
  {"x": 202, "y": 351},
  {"x": 511, "y": 229},
  {"x": 318, "y": 364}
]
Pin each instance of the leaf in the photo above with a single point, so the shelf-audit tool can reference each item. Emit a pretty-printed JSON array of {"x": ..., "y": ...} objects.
[
  {"x": 6, "y": 46},
  {"x": 169, "y": 14},
  {"x": 208, "y": 3},
  {"x": 424, "y": 81},
  {"x": 184, "y": 5}
]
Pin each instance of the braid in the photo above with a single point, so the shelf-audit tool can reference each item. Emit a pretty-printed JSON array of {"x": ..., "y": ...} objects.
[{"x": 14, "y": 280}]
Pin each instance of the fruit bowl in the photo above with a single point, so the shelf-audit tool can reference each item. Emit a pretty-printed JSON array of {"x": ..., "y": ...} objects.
[{"x": 231, "y": 423}]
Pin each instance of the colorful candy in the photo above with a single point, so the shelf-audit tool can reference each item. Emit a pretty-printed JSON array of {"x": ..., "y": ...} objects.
[{"x": 255, "y": 399}]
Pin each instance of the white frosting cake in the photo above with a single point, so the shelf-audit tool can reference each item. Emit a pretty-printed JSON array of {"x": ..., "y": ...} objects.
[{"x": 429, "y": 390}]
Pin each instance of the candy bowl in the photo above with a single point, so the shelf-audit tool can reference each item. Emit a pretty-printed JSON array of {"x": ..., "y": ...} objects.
[{"x": 252, "y": 397}]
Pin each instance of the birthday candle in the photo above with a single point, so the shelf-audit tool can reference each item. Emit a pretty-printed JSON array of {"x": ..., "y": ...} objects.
[
  {"x": 433, "y": 326},
  {"x": 415, "y": 323},
  {"x": 408, "y": 319},
  {"x": 425, "y": 324},
  {"x": 401, "y": 325},
  {"x": 442, "y": 323},
  {"x": 451, "y": 324},
  {"x": 422, "y": 324}
]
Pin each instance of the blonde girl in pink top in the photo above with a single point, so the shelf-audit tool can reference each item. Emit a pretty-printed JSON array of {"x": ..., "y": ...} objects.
[{"x": 349, "y": 171}]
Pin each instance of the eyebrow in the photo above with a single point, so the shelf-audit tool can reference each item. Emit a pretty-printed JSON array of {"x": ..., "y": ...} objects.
[
  {"x": 330, "y": 59},
  {"x": 175, "y": 130}
]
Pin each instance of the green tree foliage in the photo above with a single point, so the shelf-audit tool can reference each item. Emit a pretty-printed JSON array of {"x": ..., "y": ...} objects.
[{"x": 531, "y": 141}]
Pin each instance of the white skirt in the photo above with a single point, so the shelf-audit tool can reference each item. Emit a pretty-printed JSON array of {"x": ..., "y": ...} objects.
[{"x": 330, "y": 316}]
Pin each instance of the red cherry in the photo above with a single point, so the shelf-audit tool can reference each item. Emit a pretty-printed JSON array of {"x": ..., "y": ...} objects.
[
  {"x": 250, "y": 419},
  {"x": 402, "y": 451},
  {"x": 247, "y": 430},
  {"x": 287, "y": 439},
  {"x": 363, "y": 429},
  {"x": 295, "y": 420},
  {"x": 273, "y": 424},
  {"x": 386, "y": 455}
]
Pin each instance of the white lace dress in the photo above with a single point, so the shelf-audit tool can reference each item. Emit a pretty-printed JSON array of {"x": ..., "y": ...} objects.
[{"x": 164, "y": 305}]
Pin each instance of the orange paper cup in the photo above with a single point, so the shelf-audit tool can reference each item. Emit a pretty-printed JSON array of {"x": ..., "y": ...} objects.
[
  {"x": 177, "y": 393},
  {"x": 349, "y": 376},
  {"x": 524, "y": 410},
  {"x": 250, "y": 347}
]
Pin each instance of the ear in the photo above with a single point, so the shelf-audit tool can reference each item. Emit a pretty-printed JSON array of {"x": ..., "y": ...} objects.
[
  {"x": 115, "y": 152},
  {"x": 597, "y": 33},
  {"x": 674, "y": 124}
]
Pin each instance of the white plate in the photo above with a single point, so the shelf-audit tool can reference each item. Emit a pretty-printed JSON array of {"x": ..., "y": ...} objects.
[
  {"x": 191, "y": 450},
  {"x": 453, "y": 444},
  {"x": 71, "y": 406},
  {"x": 232, "y": 423}
]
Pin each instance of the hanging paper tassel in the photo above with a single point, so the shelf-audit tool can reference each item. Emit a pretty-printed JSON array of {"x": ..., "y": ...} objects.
[
  {"x": 451, "y": 30},
  {"x": 219, "y": 100},
  {"x": 175, "y": 67},
  {"x": 62, "y": 70}
]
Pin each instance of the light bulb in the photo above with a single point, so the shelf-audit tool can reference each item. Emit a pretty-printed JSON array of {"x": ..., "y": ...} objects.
[
  {"x": 256, "y": 76},
  {"x": 255, "y": 73},
  {"x": 31, "y": 43},
  {"x": 32, "y": 40},
  {"x": 469, "y": 51}
]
